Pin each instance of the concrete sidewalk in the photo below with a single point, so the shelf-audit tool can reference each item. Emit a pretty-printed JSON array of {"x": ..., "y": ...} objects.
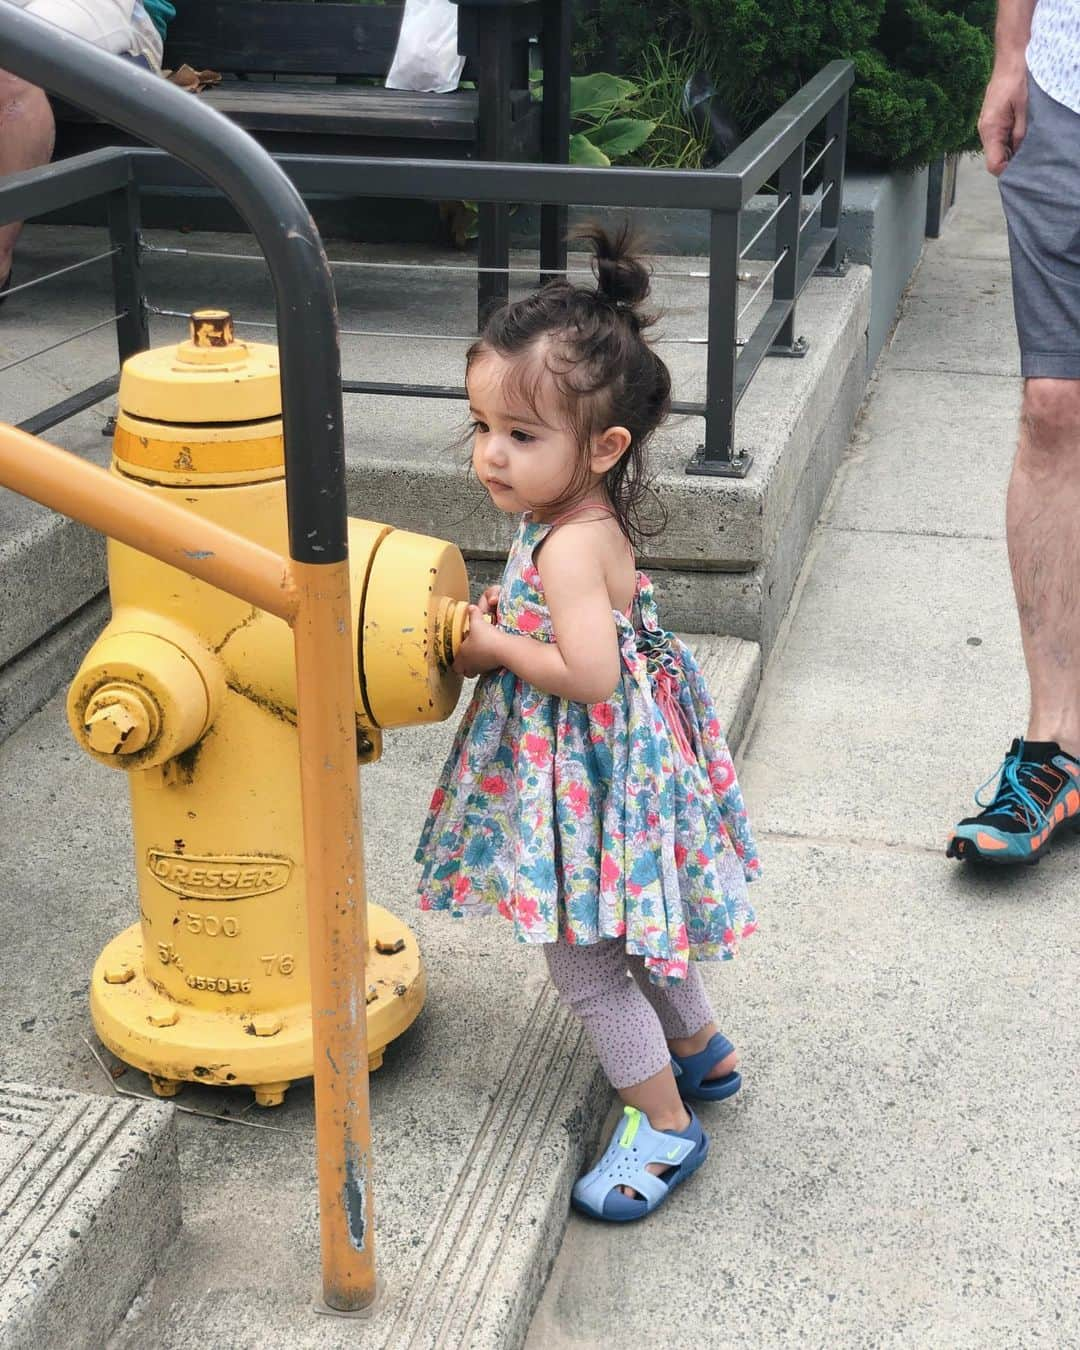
[{"x": 902, "y": 1167}]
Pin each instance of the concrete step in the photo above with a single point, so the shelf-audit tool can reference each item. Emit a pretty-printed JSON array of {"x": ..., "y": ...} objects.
[
  {"x": 483, "y": 1113},
  {"x": 52, "y": 575},
  {"x": 34, "y": 676},
  {"x": 50, "y": 566},
  {"x": 89, "y": 1201}
]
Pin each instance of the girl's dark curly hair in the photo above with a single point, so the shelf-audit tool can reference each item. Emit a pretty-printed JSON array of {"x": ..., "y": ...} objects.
[{"x": 590, "y": 342}]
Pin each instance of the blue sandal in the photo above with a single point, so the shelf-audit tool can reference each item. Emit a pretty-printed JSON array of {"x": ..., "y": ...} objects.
[
  {"x": 690, "y": 1071},
  {"x": 633, "y": 1146}
]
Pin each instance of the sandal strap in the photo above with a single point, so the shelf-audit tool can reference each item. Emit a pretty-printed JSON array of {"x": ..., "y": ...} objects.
[{"x": 694, "y": 1067}]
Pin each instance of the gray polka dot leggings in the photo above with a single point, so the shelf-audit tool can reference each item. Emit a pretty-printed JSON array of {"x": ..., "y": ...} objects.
[{"x": 628, "y": 1020}]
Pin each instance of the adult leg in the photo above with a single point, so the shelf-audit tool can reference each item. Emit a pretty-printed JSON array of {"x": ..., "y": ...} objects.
[
  {"x": 27, "y": 132},
  {"x": 1038, "y": 790},
  {"x": 1043, "y": 531}
]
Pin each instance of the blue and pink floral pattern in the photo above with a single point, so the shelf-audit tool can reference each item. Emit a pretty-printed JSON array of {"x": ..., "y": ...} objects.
[{"x": 616, "y": 819}]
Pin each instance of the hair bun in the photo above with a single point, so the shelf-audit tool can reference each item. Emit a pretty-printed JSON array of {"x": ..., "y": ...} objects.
[{"x": 621, "y": 276}]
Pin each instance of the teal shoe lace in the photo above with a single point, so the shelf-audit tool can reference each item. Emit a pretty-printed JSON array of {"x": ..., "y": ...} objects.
[{"x": 1012, "y": 796}]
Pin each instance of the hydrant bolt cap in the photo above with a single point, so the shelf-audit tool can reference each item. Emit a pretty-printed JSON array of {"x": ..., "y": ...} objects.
[
  {"x": 266, "y": 1024},
  {"x": 118, "y": 721}
]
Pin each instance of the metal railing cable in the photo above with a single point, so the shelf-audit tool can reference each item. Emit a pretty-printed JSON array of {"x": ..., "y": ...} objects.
[
  {"x": 763, "y": 282},
  {"x": 58, "y": 272},
  {"x": 241, "y": 322},
  {"x": 381, "y": 265},
  {"x": 61, "y": 342},
  {"x": 818, "y": 204},
  {"x": 818, "y": 157},
  {"x": 768, "y": 221}
]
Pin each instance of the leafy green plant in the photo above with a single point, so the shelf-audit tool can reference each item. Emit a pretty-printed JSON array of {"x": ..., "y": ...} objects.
[
  {"x": 663, "y": 72},
  {"x": 605, "y": 126},
  {"x": 921, "y": 65}
]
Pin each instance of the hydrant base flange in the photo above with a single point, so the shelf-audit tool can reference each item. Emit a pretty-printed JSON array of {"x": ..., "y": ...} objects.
[{"x": 174, "y": 1042}]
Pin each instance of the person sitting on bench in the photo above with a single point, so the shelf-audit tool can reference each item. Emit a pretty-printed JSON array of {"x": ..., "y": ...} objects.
[{"x": 132, "y": 28}]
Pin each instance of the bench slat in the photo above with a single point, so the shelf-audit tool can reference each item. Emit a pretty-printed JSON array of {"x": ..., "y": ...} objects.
[
  {"x": 344, "y": 111},
  {"x": 274, "y": 37}
]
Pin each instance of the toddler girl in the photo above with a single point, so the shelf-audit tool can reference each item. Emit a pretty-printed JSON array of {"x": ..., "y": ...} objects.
[{"x": 590, "y": 796}]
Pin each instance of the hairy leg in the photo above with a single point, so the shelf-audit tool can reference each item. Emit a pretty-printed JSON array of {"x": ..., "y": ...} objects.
[
  {"x": 27, "y": 132},
  {"x": 1043, "y": 532}
]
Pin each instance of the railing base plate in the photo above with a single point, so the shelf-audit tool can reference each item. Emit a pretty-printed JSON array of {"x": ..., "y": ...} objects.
[
  {"x": 736, "y": 467},
  {"x": 323, "y": 1308},
  {"x": 799, "y": 347},
  {"x": 840, "y": 270}
]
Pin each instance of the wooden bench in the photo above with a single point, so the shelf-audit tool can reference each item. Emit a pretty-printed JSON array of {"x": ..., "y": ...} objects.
[{"x": 258, "y": 44}]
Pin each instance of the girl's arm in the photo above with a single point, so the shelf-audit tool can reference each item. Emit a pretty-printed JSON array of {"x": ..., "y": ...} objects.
[{"x": 582, "y": 664}]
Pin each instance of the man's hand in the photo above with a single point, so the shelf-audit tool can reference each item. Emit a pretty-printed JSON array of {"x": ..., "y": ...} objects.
[{"x": 1003, "y": 120}]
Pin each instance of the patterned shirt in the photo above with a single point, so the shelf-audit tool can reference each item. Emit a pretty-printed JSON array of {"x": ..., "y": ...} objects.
[{"x": 1053, "y": 54}]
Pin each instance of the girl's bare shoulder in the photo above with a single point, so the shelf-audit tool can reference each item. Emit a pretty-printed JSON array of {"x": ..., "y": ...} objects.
[{"x": 591, "y": 549}]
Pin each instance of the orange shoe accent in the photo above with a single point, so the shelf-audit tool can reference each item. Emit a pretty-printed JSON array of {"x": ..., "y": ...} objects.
[
  {"x": 1072, "y": 801},
  {"x": 1059, "y": 811},
  {"x": 988, "y": 842}
]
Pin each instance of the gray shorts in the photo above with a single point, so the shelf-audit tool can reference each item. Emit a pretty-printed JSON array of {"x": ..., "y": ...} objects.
[{"x": 1040, "y": 191}]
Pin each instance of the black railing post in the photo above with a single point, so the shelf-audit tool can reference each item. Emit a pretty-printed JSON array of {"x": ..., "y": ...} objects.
[
  {"x": 132, "y": 328},
  {"x": 834, "y": 263},
  {"x": 717, "y": 456},
  {"x": 555, "y": 114},
  {"x": 494, "y": 37},
  {"x": 788, "y": 234}
]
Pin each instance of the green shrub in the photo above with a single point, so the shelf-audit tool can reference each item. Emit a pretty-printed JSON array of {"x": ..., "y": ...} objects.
[{"x": 921, "y": 65}]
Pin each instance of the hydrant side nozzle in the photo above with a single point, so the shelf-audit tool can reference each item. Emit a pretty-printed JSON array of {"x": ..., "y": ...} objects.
[
  {"x": 452, "y": 623},
  {"x": 141, "y": 698},
  {"x": 413, "y": 622}
]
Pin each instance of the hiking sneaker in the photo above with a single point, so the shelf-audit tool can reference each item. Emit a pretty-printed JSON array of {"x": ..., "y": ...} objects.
[{"x": 1038, "y": 790}]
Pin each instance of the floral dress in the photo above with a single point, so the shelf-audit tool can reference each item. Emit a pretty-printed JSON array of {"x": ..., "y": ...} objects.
[{"x": 620, "y": 819}]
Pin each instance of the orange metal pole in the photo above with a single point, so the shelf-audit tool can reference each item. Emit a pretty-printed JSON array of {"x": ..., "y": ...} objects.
[
  {"x": 315, "y": 600},
  {"x": 136, "y": 516},
  {"x": 337, "y": 922}
]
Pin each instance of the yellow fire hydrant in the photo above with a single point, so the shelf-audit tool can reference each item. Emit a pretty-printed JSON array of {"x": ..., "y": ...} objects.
[{"x": 193, "y": 693}]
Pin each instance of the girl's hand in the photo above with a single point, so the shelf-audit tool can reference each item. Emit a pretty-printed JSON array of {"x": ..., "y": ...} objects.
[
  {"x": 479, "y": 652},
  {"x": 489, "y": 601}
]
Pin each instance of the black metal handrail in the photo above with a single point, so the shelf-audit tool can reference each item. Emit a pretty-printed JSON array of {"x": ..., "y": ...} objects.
[
  {"x": 805, "y": 244},
  {"x": 155, "y": 110}
]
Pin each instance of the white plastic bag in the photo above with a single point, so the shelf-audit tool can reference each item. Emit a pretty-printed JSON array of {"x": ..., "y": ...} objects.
[{"x": 426, "y": 57}]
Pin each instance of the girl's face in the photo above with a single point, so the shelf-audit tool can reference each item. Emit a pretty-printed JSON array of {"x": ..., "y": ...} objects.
[{"x": 524, "y": 456}]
